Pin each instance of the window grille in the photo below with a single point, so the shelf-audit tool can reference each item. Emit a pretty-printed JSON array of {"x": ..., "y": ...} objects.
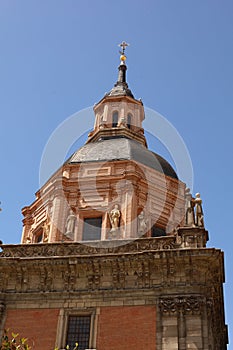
[{"x": 78, "y": 331}]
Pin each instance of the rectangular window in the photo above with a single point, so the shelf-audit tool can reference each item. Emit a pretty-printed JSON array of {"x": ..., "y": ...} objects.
[
  {"x": 78, "y": 331},
  {"x": 92, "y": 229}
]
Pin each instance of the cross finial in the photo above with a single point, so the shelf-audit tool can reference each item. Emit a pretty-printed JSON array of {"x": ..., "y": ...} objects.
[{"x": 123, "y": 45}]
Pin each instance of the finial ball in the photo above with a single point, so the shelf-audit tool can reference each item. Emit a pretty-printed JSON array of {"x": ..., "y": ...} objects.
[{"x": 123, "y": 57}]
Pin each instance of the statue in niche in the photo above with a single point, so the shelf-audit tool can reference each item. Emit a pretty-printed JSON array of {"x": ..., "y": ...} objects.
[
  {"x": 123, "y": 121},
  {"x": 199, "y": 217},
  {"x": 114, "y": 216},
  {"x": 28, "y": 240},
  {"x": 189, "y": 209},
  {"x": 46, "y": 230},
  {"x": 70, "y": 223},
  {"x": 46, "y": 227},
  {"x": 102, "y": 124},
  {"x": 142, "y": 223}
]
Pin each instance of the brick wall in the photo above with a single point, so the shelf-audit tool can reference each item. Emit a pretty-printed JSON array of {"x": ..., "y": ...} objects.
[
  {"x": 39, "y": 325},
  {"x": 127, "y": 328}
]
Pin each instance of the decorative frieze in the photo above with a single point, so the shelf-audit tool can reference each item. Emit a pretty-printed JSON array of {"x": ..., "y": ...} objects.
[
  {"x": 184, "y": 304},
  {"x": 184, "y": 238},
  {"x": 88, "y": 248},
  {"x": 141, "y": 270}
]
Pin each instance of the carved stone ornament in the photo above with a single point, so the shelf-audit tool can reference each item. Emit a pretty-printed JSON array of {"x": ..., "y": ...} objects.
[
  {"x": 185, "y": 304},
  {"x": 98, "y": 247}
]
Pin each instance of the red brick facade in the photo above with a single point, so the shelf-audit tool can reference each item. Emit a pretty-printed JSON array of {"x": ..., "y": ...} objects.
[
  {"x": 127, "y": 327},
  {"x": 124, "y": 327},
  {"x": 39, "y": 326}
]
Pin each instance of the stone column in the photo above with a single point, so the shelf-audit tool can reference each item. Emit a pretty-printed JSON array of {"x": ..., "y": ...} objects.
[
  {"x": 56, "y": 224},
  {"x": 2, "y": 310},
  {"x": 204, "y": 326},
  {"x": 2, "y": 316},
  {"x": 159, "y": 328},
  {"x": 181, "y": 330}
]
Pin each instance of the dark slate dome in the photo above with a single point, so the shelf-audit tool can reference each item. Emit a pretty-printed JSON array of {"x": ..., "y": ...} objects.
[{"x": 121, "y": 149}]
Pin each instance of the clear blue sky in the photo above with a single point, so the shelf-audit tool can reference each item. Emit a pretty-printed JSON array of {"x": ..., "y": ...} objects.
[{"x": 58, "y": 57}]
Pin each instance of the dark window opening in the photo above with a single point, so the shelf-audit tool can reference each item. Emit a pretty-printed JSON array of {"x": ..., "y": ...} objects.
[
  {"x": 78, "y": 331},
  {"x": 39, "y": 237},
  {"x": 129, "y": 121},
  {"x": 114, "y": 119},
  {"x": 157, "y": 232},
  {"x": 92, "y": 229}
]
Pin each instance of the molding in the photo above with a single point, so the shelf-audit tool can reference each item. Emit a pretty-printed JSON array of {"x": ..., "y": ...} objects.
[{"x": 194, "y": 238}]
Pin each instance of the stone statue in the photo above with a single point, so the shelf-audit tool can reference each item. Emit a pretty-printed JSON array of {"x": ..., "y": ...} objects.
[
  {"x": 122, "y": 121},
  {"x": 114, "y": 216},
  {"x": 46, "y": 230},
  {"x": 142, "y": 223},
  {"x": 70, "y": 223},
  {"x": 189, "y": 209},
  {"x": 199, "y": 217},
  {"x": 28, "y": 240}
]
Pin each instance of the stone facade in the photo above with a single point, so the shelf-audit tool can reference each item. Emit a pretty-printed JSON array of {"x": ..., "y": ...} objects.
[{"x": 180, "y": 279}]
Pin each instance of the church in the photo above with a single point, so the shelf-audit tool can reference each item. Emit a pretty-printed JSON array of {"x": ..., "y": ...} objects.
[{"x": 113, "y": 252}]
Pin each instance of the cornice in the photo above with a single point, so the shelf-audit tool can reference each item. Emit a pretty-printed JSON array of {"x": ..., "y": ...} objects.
[{"x": 194, "y": 238}]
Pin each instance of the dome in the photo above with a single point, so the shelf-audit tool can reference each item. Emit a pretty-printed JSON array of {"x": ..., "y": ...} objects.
[{"x": 121, "y": 149}]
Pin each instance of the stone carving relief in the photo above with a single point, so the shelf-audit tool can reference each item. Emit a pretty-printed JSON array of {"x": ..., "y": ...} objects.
[
  {"x": 93, "y": 275},
  {"x": 143, "y": 273},
  {"x": 69, "y": 278},
  {"x": 46, "y": 278},
  {"x": 100, "y": 247},
  {"x": 185, "y": 304},
  {"x": 118, "y": 274},
  {"x": 22, "y": 278}
]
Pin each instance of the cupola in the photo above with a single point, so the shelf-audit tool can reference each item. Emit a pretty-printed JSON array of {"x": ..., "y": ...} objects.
[{"x": 118, "y": 113}]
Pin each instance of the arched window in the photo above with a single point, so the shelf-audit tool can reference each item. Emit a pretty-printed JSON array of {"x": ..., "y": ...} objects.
[
  {"x": 114, "y": 119},
  {"x": 38, "y": 236},
  {"x": 129, "y": 119},
  {"x": 157, "y": 231}
]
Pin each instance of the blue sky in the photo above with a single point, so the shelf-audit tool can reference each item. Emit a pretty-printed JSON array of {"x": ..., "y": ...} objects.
[{"x": 58, "y": 57}]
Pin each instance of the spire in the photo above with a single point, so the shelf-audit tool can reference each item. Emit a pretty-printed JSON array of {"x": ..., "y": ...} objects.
[
  {"x": 121, "y": 86},
  {"x": 122, "y": 67}
]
